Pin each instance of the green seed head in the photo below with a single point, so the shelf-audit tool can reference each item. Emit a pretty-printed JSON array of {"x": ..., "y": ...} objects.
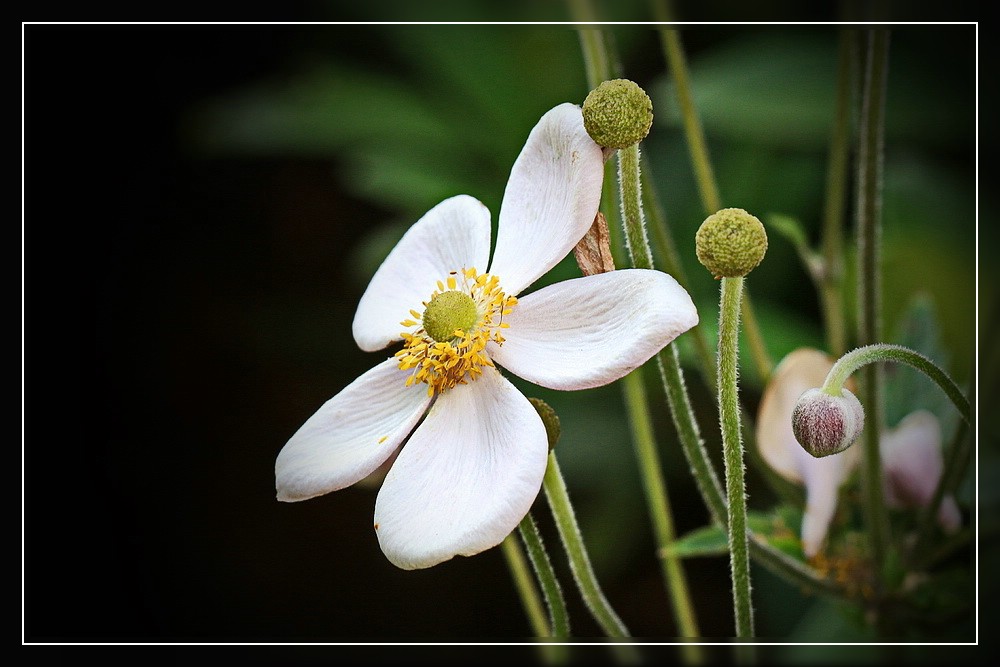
[
  {"x": 549, "y": 418},
  {"x": 731, "y": 243},
  {"x": 447, "y": 312},
  {"x": 617, "y": 114}
]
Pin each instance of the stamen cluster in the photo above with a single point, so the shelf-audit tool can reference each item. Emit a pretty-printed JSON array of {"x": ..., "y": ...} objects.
[{"x": 444, "y": 364}]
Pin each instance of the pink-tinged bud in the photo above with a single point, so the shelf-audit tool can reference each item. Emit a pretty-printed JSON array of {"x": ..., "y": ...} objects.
[{"x": 825, "y": 424}]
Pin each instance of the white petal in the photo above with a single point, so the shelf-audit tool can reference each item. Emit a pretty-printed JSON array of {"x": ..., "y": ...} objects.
[
  {"x": 453, "y": 235},
  {"x": 351, "y": 434},
  {"x": 466, "y": 477},
  {"x": 551, "y": 198},
  {"x": 590, "y": 331},
  {"x": 822, "y": 484}
]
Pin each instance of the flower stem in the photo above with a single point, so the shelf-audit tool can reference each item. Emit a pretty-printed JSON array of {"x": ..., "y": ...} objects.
[
  {"x": 583, "y": 573},
  {"x": 831, "y": 278},
  {"x": 667, "y": 251},
  {"x": 546, "y": 576},
  {"x": 732, "y": 445},
  {"x": 530, "y": 598},
  {"x": 630, "y": 190},
  {"x": 705, "y": 178},
  {"x": 687, "y": 430},
  {"x": 880, "y": 352},
  {"x": 595, "y": 54},
  {"x": 697, "y": 146},
  {"x": 635, "y": 394},
  {"x": 658, "y": 501},
  {"x": 869, "y": 204}
]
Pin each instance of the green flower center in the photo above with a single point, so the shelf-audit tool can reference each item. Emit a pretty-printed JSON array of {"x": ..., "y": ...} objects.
[
  {"x": 463, "y": 315},
  {"x": 449, "y": 312}
]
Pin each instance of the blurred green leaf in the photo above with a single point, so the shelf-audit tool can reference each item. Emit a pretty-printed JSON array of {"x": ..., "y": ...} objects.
[
  {"x": 707, "y": 541},
  {"x": 788, "y": 227},
  {"x": 778, "y": 87},
  {"x": 714, "y": 540},
  {"x": 448, "y": 122}
]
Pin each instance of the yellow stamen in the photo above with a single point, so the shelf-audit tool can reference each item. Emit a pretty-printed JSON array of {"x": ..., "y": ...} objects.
[{"x": 445, "y": 364}]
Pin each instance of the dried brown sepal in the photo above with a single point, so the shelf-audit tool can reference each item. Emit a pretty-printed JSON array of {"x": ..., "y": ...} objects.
[{"x": 593, "y": 252}]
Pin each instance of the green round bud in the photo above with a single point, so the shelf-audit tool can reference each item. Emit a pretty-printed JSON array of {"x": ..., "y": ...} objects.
[
  {"x": 731, "y": 243},
  {"x": 447, "y": 312},
  {"x": 617, "y": 114},
  {"x": 549, "y": 418},
  {"x": 825, "y": 424}
]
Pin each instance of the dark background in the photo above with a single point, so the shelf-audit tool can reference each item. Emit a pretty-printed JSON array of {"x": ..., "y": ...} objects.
[{"x": 189, "y": 286}]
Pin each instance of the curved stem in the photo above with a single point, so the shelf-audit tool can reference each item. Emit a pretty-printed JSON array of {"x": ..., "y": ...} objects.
[
  {"x": 879, "y": 352},
  {"x": 732, "y": 445},
  {"x": 579, "y": 561},
  {"x": 558, "y": 616}
]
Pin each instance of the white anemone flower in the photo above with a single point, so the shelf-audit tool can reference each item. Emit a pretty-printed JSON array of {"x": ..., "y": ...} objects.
[
  {"x": 472, "y": 450},
  {"x": 912, "y": 465},
  {"x": 800, "y": 370}
]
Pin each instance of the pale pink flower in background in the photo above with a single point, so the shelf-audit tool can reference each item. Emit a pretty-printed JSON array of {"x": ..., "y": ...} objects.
[
  {"x": 912, "y": 466},
  {"x": 801, "y": 370}
]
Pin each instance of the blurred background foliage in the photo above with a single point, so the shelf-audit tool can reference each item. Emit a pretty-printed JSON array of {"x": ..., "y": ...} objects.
[{"x": 240, "y": 185}]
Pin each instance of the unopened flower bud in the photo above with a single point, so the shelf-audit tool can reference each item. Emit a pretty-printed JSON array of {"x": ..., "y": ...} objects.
[
  {"x": 549, "y": 418},
  {"x": 731, "y": 243},
  {"x": 617, "y": 114},
  {"x": 825, "y": 424}
]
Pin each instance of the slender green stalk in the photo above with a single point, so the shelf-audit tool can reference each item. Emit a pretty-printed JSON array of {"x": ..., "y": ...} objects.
[
  {"x": 755, "y": 340},
  {"x": 525, "y": 584},
  {"x": 831, "y": 281},
  {"x": 633, "y": 219},
  {"x": 659, "y": 503},
  {"x": 705, "y": 178},
  {"x": 667, "y": 251},
  {"x": 583, "y": 573},
  {"x": 595, "y": 53},
  {"x": 689, "y": 434},
  {"x": 649, "y": 464},
  {"x": 732, "y": 445},
  {"x": 697, "y": 146},
  {"x": 558, "y": 616},
  {"x": 869, "y": 204}
]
